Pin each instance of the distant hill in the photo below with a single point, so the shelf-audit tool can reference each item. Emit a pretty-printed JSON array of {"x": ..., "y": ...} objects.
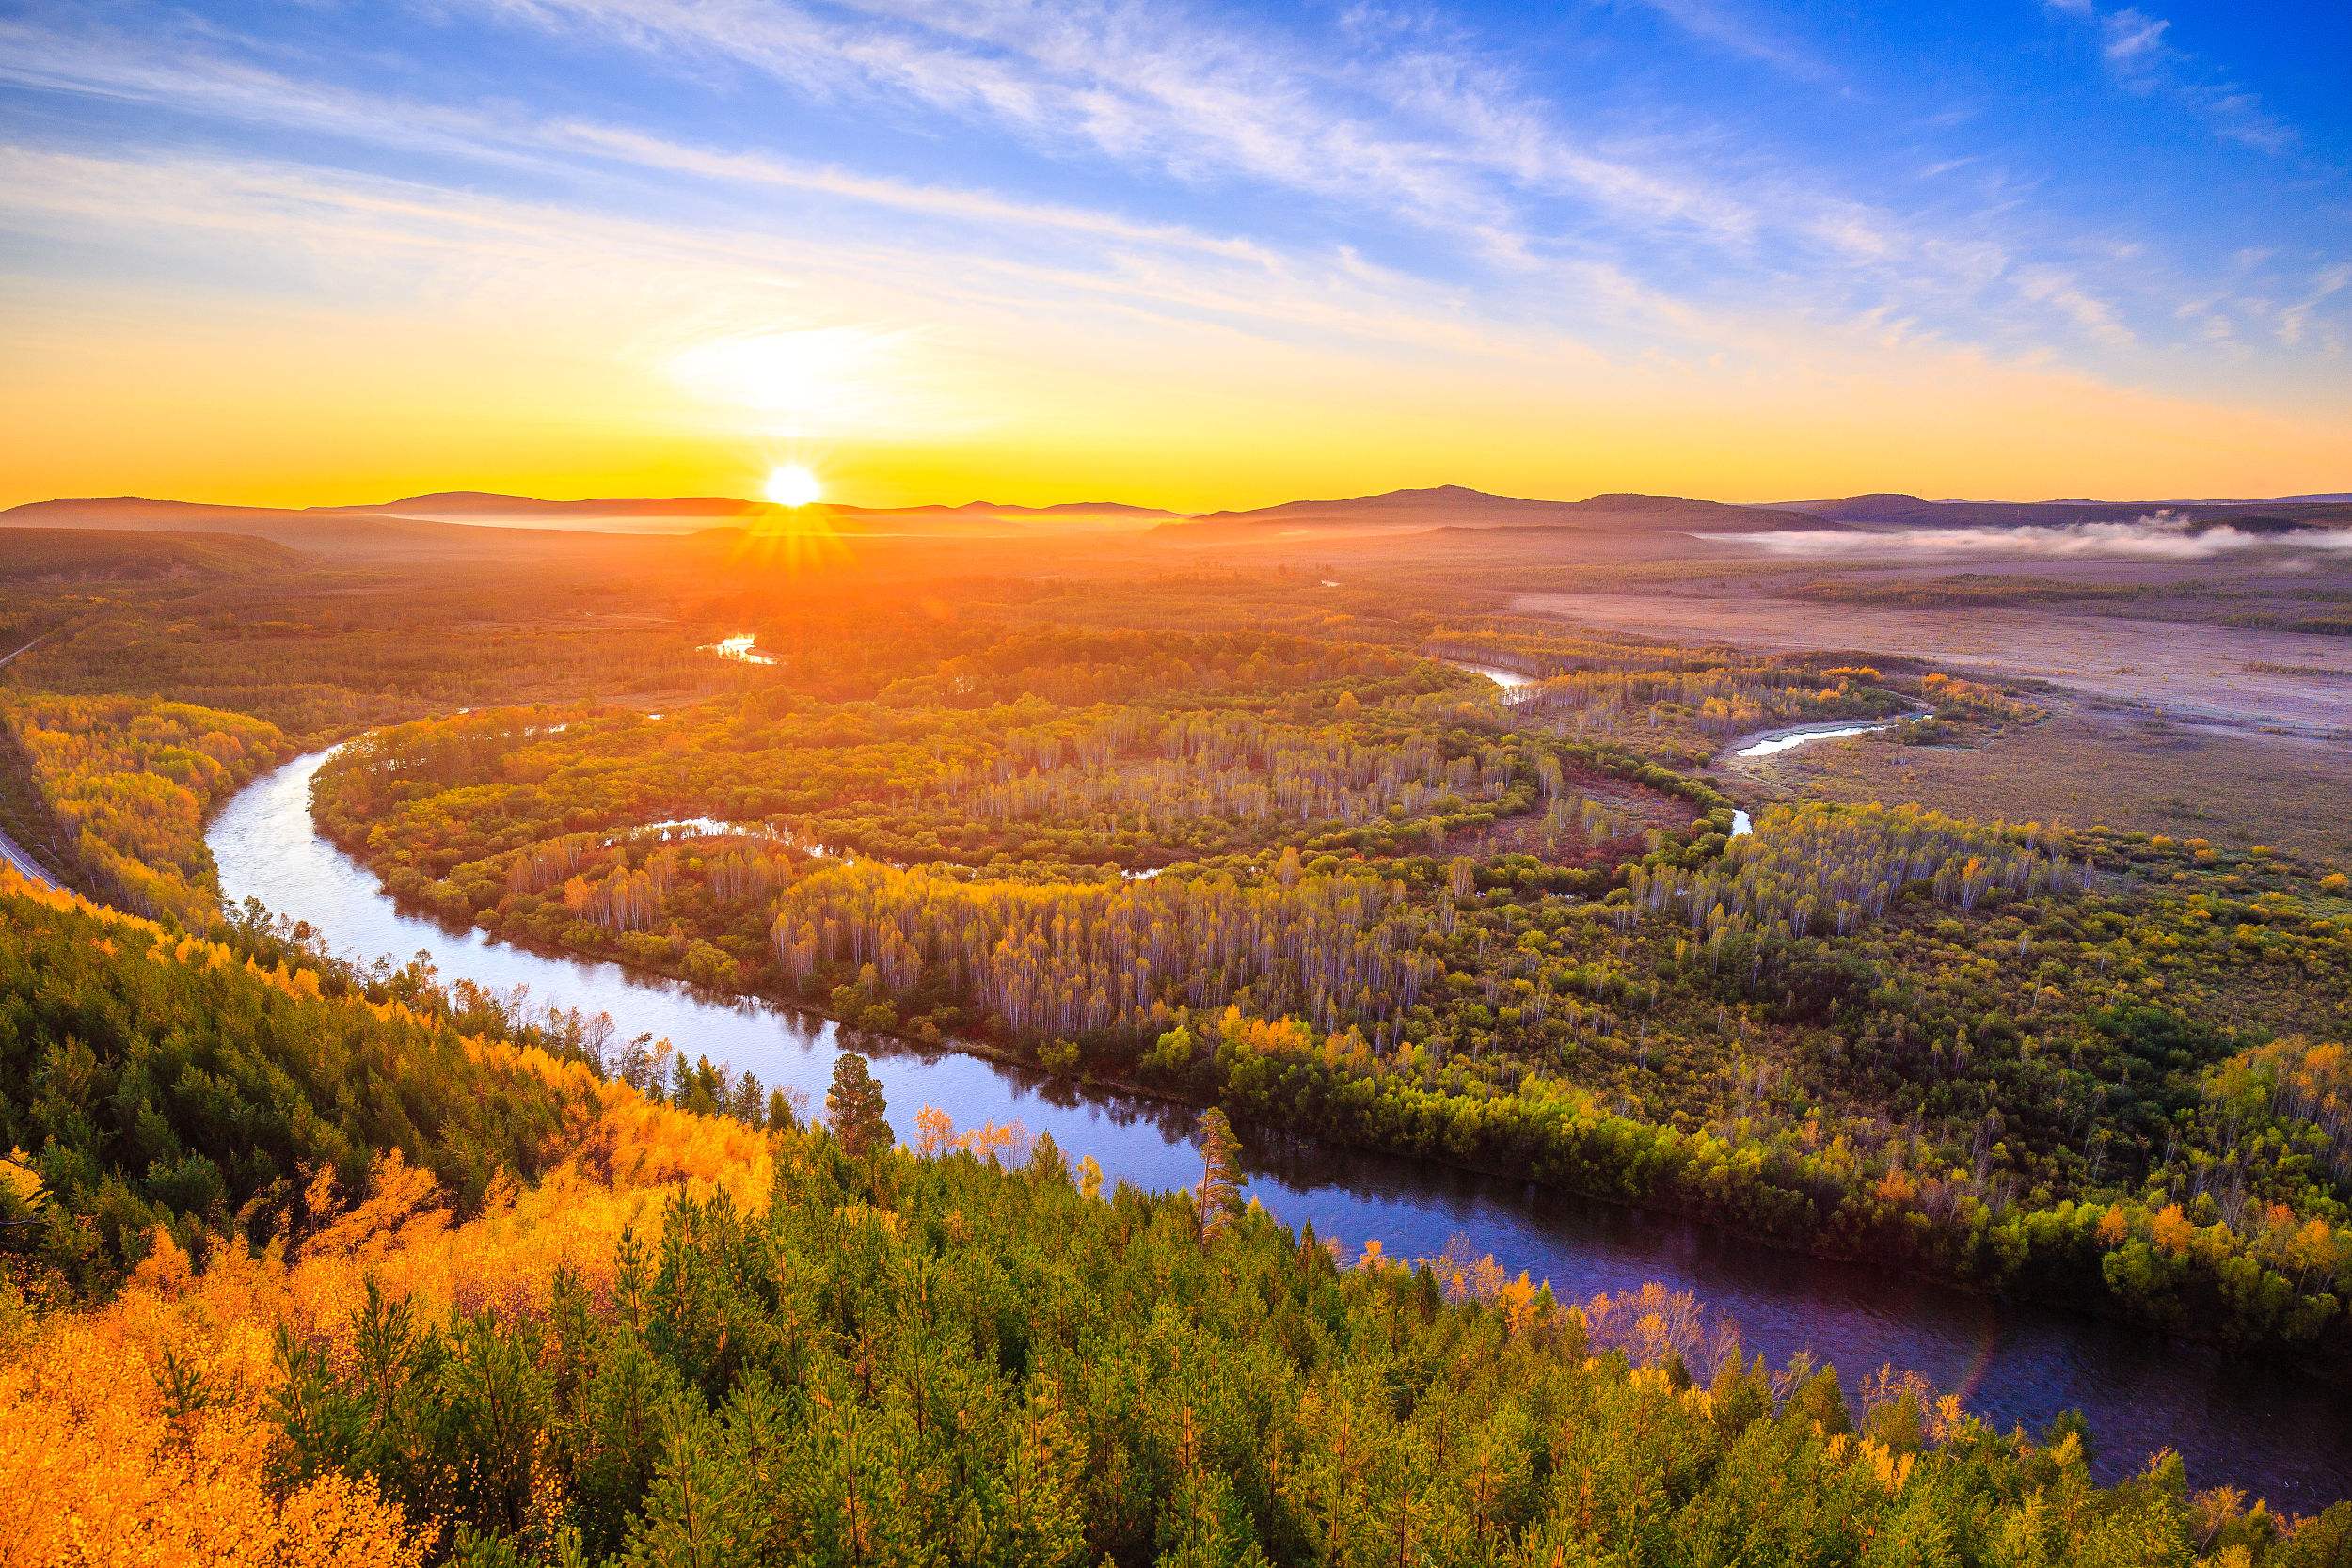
[
  {"x": 139, "y": 512},
  {"x": 998, "y": 519},
  {"x": 453, "y": 505},
  {"x": 319, "y": 530},
  {"x": 488, "y": 503},
  {"x": 71, "y": 555},
  {"x": 1059, "y": 509},
  {"x": 351, "y": 525},
  {"x": 350, "y": 535},
  {"x": 454, "y": 522},
  {"x": 1455, "y": 506}
]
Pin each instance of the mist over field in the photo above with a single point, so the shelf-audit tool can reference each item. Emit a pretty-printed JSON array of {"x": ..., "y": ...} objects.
[{"x": 2159, "y": 536}]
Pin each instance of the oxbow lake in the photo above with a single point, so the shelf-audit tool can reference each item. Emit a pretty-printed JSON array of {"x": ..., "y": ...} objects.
[{"x": 2244, "y": 1425}]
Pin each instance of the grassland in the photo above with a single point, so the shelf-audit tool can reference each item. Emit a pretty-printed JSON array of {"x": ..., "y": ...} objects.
[{"x": 2085, "y": 767}]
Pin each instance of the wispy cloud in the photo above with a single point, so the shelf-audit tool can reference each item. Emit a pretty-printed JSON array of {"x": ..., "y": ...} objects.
[
  {"x": 2056, "y": 287},
  {"x": 1730, "y": 26},
  {"x": 1420, "y": 131},
  {"x": 1191, "y": 102},
  {"x": 1468, "y": 160},
  {"x": 978, "y": 178},
  {"x": 945, "y": 201},
  {"x": 1423, "y": 132},
  {"x": 2295, "y": 321},
  {"x": 2137, "y": 50},
  {"x": 199, "y": 80}
]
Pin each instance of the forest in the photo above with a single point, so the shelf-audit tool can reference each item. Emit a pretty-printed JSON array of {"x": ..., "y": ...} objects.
[
  {"x": 117, "y": 790},
  {"x": 2009, "y": 1054},
  {"x": 1306, "y": 869},
  {"x": 671, "y": 1337}
]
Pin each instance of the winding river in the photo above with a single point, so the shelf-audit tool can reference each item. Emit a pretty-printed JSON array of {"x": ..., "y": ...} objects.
[
  {"x": 2242, "y": 1424},
  {"x": 1777, "y": 741},
  {"x": 1774, "y": 742},
  {"x": 1518, "y": 686}
]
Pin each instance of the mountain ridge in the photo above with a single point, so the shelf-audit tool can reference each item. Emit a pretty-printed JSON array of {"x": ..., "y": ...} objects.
[
  {"x": 1408, "y": 509},
  {"x": 1458, "y": 506}
]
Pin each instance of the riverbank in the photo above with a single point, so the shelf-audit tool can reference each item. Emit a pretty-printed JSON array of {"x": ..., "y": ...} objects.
[
  {"x": 2014, "y": 1362},
  {"x": 1759, "y": 744},
  {"x": 1777, "y": 1188},
  {"x": 22, "y": 863},
  {"x": 1773, "y": 742}
]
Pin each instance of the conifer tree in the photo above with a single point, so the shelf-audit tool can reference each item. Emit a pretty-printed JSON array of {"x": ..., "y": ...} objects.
[
  {"x": 1219, "y": 1192},
  {"x": 854, "y": 1106}
]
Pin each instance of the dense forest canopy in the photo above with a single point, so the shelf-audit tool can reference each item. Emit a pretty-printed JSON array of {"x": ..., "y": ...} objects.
[
  {"x": 1365, "y": 896},
  {"x": 690, "y": 1339},
  {"x": 117, "y": 789},
  {"x": 328, "y": 1260}
]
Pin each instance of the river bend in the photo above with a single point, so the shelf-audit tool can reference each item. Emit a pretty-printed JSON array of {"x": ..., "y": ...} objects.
[{"x": 2234, "y": 1424}]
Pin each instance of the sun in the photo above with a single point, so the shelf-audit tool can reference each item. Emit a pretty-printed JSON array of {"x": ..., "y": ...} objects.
[{"x": 794, "y": 485}]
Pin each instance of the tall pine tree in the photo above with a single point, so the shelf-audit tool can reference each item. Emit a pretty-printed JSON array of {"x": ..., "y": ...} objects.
[
  {"x": 1219, "y": 1192},
  {"x": 854, "y": 1106}
]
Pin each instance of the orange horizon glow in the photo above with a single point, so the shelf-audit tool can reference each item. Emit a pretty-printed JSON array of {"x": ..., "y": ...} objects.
[
  {"x": 886, "y": 479},
  {"x": 254, "y": 274},
  {"x": 263, "y": 413}
]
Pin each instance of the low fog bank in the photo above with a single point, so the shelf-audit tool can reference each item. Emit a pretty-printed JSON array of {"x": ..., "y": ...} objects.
[{"x": 2162, "y": 536}]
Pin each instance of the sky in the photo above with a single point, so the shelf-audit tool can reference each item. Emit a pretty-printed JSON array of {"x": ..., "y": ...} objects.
[{"x": 1179, "y": 253}]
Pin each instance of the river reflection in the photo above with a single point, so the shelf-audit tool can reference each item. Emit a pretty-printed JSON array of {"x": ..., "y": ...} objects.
[
  {"x": 1516, "y": 684},
  {"x": 743, "y": 648},
  {"x": 1777, "y": 741},
  {"x": 2234, "y": 1424}
]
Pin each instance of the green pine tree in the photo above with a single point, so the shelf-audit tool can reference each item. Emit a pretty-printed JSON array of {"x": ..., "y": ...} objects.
[
  {"x": 854, "y": 1106},
  {"x": 1219, "y": 1192}
]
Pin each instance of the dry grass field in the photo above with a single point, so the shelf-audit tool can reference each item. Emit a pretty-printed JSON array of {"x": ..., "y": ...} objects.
[
  {"x": 2082, "y": 766},
  {"x": 2241, "y": 679}
]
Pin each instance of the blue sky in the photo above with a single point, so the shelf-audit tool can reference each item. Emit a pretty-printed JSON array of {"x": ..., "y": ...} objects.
[{"x": 905, "y": 231}]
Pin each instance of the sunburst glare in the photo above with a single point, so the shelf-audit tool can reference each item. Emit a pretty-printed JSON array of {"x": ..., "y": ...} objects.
[{"x": 794, "y": 485}]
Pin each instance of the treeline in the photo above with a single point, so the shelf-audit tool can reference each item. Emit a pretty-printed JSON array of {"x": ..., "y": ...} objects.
[
  {"x": 147, "y": 1425},
  {"x": 1681, "y": 704},
  {"x": 1971, "y": 1079},
  {"x": 1676, "y": 703},
  {"x": 1995, "y": 1104},
  {"x": 1134, "y": 768},
  {"x": 321, "y": 647},
  {"x": 1116, "y": 963},
  {"x": 907, "y": 1360},
  {"x": 2295, "y": 1080},
  {"x": 1714, "y": 704},
  {"x": 686, "y": 1342},
  {"x": 993, "y": 788},
  {"x": 1077, "y": 667},
  {"x": 2273, "y": 1276},
  {"x": 1873, "y": 1033}
]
